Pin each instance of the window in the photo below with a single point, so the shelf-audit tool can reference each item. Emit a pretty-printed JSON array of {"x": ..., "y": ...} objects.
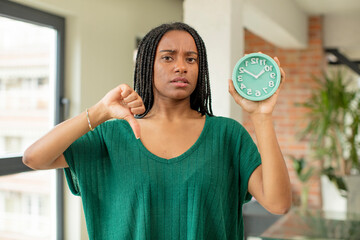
[{"x": 31, "y": 91}]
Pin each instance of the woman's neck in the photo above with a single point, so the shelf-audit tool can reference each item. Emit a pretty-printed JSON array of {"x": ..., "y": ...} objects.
[{"x": 172, "y": 110}]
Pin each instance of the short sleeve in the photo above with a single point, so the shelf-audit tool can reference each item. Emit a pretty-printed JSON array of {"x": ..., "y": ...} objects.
[
  {"x": 80, "y": 157},
  {"x": 249, "y": 160}
]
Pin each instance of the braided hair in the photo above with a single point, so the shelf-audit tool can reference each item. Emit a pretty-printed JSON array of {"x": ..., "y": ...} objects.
[{"x": 200, "y": 99}]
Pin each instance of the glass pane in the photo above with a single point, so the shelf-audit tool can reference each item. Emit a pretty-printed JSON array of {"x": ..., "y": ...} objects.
[
  {"x": 27, "y": 73},
  {"x": 26, "y": 210},
  {"x": 27, "y": 87}
]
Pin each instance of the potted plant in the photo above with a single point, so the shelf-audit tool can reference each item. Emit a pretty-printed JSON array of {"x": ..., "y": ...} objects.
[{"x": 333, "y": 129}]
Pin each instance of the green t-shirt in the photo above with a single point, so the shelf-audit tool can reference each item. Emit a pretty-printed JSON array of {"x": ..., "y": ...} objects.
[{"x": 129, "y": 193}]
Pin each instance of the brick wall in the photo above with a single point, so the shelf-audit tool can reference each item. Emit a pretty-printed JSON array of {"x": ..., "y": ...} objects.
[{"x": 289, "y": 119}]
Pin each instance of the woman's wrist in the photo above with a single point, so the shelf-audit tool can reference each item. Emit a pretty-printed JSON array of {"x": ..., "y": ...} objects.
[
  {"x": 260, "y": 118},
  {"x": 96, "y": 115}
]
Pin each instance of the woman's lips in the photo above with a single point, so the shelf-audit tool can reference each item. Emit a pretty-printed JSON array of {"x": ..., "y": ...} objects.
[{"x": 180, "y": 82}]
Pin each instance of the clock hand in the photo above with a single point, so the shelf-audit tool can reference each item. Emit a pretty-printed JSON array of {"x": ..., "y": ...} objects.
[
  {"x": 250, "y": 73},
  {"x": 262, "y": 71}
]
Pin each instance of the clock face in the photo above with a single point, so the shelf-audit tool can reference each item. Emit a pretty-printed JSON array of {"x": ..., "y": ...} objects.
[{"x": 256, "y": 76}]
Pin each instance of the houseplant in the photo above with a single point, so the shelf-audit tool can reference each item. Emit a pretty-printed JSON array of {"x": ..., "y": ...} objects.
[
  {"x": 304, "y": 173},
  {"x": 333, "y": 127}
]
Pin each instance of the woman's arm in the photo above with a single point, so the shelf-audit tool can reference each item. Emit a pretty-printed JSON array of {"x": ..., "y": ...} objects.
[
  {"x": 269, "y": 183},
  {"x": 47, "y": 153}
]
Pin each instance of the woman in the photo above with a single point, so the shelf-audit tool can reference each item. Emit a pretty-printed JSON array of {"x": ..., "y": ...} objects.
[{"x": 166, "y": 168}]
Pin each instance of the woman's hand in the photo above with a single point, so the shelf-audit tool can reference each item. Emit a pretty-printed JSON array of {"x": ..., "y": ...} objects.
[
  {"x": 123, "y": 102},
  {"x": 261, "y": 107}
]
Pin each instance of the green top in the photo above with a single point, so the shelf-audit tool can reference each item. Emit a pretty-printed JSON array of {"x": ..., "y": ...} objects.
[{"x": 130, "y": 193}]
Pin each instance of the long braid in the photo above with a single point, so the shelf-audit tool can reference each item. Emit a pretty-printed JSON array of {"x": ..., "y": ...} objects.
[{"x": 200, "y": 99}]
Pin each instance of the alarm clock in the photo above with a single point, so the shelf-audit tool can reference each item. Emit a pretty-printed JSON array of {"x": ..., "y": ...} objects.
[{"x": 256, "y": 76}]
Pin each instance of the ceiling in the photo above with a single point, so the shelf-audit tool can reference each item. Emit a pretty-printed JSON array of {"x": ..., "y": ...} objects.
[{"x": 329, "y": 7}]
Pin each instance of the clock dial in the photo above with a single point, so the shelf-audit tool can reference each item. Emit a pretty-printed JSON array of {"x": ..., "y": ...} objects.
[{"x": 256, "y": 76}]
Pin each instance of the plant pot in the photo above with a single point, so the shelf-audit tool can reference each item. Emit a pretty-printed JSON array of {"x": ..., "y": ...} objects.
[
  {"x": 353, "y": 199},
  {"x": 332, "y": 200}
]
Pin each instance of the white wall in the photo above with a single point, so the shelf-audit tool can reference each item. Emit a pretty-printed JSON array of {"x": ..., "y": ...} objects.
[
  {"x": 342, "y": 31},
  {"x": 220, "y": 25},
  {"x": 281, "y": 22},
  {"x": 100, "y": 39}
]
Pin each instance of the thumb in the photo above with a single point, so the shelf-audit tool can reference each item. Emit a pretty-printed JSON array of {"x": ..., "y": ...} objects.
[{"x": 134, "y": 125}]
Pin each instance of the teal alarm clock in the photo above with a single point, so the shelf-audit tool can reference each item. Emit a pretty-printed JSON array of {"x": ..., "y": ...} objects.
[{"x": 256, "y": 76}]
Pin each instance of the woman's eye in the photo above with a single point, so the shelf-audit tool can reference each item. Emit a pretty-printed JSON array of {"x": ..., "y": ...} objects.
[
  {"x": 167, "y": 58},
  {"x": 191, "y": 60}
]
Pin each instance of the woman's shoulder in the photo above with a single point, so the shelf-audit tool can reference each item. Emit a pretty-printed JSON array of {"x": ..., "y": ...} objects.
[
  {"x": 226, "y": 125},
  {"x": 114, "y": 125},
  {"x": 224, "y": 121}
]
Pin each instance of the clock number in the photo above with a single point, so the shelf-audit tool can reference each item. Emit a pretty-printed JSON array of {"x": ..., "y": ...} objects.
[
  {"x": 268, "y": 68},
  {"x": 242, "y": 86},
  {"x": 254, "y": 60},
  {"x": 257, "y": 93},
  {"x": 241, "y": 70},
  {"x": 271, "y": 84},
  {"x": 246, "y": 63},
  {"x": 249, "y": 92},
  {"x": 265, "y": 89},
  {"x": 240, "y": 78},
  {"x": 272, "y": 75},
  {"x": 263, "y": 62}
]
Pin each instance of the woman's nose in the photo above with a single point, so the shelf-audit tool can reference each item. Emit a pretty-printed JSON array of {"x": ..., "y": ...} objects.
[{"x": 180, "y": 66}]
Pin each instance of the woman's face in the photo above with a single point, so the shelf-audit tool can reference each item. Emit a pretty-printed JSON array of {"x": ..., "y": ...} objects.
[{"x": 176, "y": 66}]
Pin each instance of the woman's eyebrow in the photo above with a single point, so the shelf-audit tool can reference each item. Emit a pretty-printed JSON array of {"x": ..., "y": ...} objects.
[
  {"x": 173, "y": 51},
  {"x": 169, "y": 51},
  {"x": 192, "y": 52}
]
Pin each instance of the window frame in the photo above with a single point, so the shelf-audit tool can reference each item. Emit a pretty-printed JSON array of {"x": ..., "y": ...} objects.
[{"x": 13, "y": 163}]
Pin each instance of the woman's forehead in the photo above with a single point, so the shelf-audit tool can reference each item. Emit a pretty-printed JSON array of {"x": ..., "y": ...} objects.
[{"x": 177, "y": 39}]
